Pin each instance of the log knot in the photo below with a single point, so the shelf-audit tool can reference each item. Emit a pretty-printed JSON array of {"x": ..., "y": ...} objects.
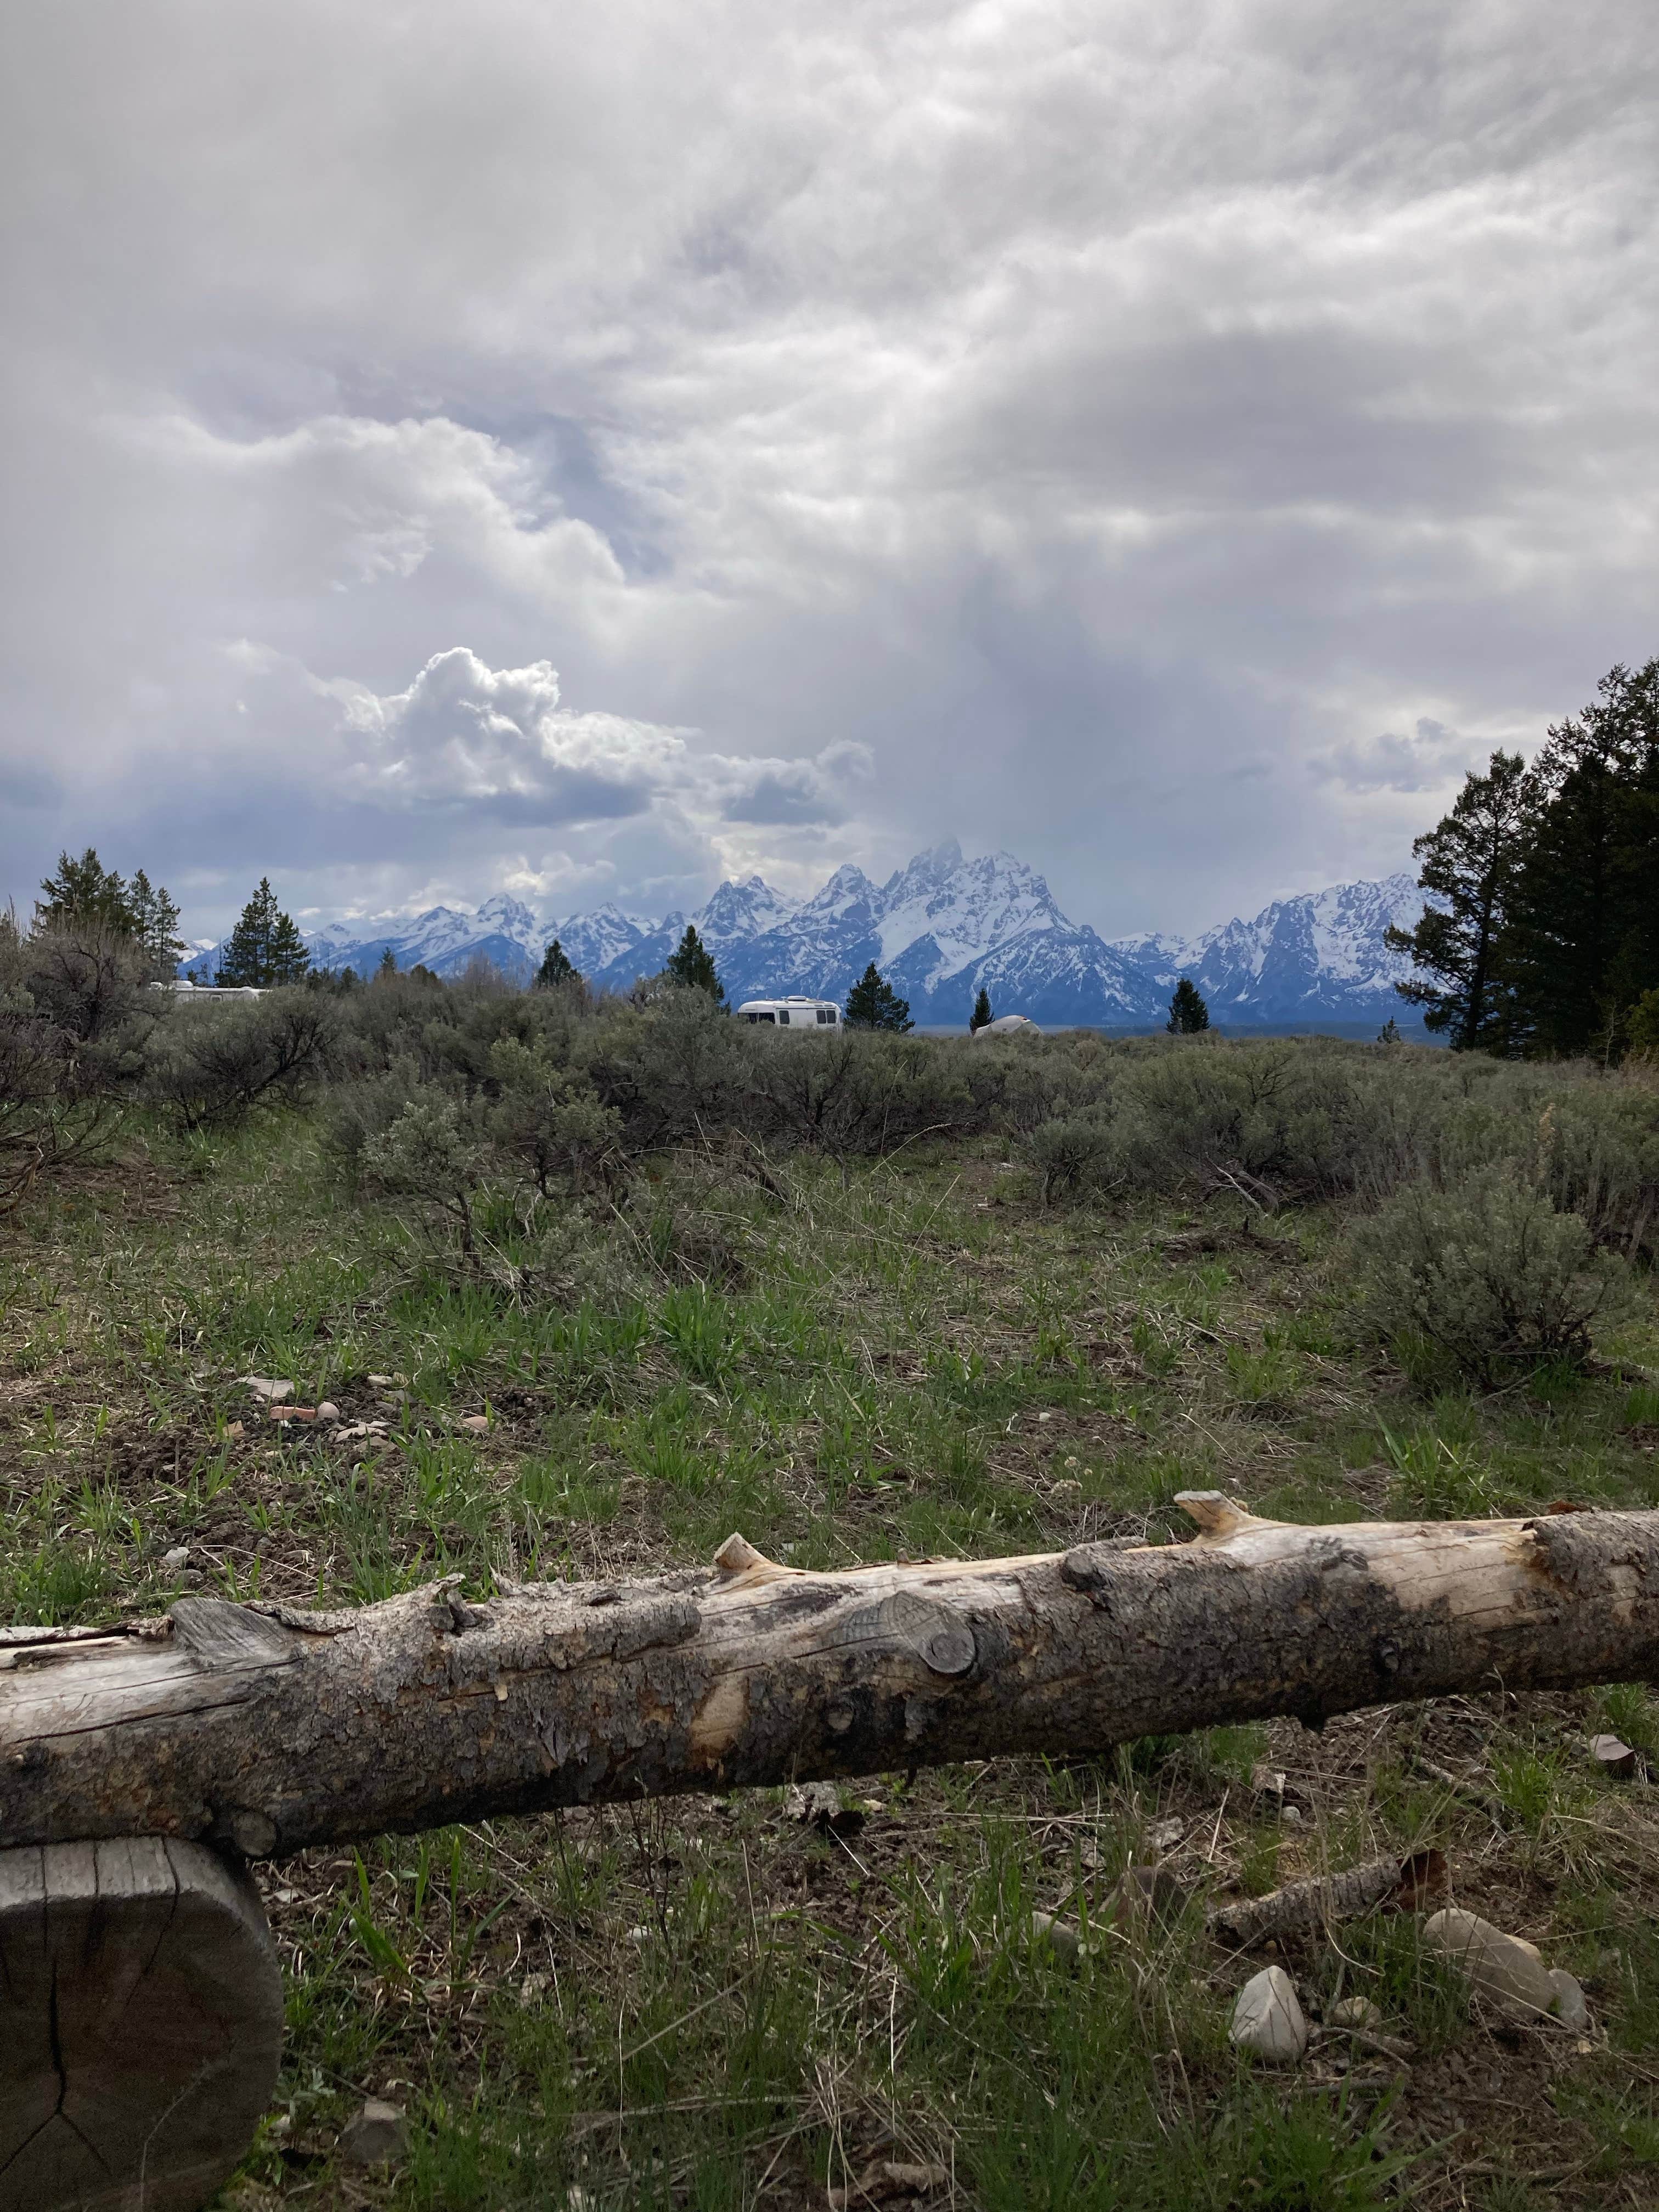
[{"x": 934, "y": 1633}]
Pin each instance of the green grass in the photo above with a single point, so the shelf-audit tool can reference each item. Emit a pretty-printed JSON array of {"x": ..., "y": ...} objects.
[{"x": 706, "y": 2005}]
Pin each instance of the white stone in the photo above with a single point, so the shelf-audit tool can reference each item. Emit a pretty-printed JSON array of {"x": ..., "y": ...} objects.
[
  {"x": 1354, "y": 2012},
  {"x": 1571, "y": 2009},
  {"x": 177, "y": 1558},
  {"x": 1267, "y": 2019},
  {"x": 1164, "y": 1835},
  {"x": 374, "y": 2135},
  {"x": 262, "y": 1387},
  {"x": 328, "y": 1411},
  {"x": 1613, "y": 1755},
  {"x": 1504, "y": 1969}
]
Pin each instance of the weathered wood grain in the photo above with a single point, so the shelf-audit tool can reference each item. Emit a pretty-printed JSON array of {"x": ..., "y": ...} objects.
[
  {"x": 141, "y": 2022},
  {"x": 267, "y": 1729}
]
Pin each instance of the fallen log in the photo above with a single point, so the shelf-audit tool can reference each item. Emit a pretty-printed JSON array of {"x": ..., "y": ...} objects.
[
  {"x": 263, "y": 1729},
  {"x": 139, "y": 2001}
]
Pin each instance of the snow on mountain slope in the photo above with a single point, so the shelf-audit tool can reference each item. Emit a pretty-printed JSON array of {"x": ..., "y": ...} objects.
[
  {"x": 592, "y": 941},
  {"x": 965, "y": 908},
  {"x": 941, "y": 928},
  {"x": 1322, "y": 953}
]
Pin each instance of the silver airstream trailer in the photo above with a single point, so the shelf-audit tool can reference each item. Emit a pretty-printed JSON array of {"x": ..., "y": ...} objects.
[{"x": 813, "y": 1014}]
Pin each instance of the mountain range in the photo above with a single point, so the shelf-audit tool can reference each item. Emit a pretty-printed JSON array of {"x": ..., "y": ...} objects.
[{"x": 939, "y": 929}]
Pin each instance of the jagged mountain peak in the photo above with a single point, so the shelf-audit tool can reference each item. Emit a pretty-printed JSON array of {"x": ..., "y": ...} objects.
[{"x": 940, "y": 927}]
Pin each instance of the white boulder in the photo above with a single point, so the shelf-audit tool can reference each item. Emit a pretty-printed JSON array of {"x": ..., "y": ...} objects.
[
  {"x": 1505, "y": 1970},
  {"x": 1268, "y": 2021}
]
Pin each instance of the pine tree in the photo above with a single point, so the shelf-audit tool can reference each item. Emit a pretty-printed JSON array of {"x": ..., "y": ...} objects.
[
  {"x": 873, "y": 1003},
  {"x": 981, "y": 1017},
  {"x": 691, "y": 965},
  {"x": 557, "y": 967},
  {"x": 386, "y": 968},
  {"x": 1389, "y": 1033},
  {"x": 85, "y": 895},
  {"x": 264, "y": 949},
  {"x": 1187, "y": 1013},
  {"x": 1464, "y": 945},
  {"x": 155, "y": 926},
  {"x": 1586, "y": 928}
]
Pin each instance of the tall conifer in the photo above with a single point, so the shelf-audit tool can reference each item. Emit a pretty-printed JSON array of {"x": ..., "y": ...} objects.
[
  {"x": 264, "y": 949},
  {"x": 1187, "y": 1013},
  {"x": 873, "y": 1003},
  {"x": 691, "y": 965},
  {"x": 1461, "y": 946},
  {"x": 557, "y": 967}
]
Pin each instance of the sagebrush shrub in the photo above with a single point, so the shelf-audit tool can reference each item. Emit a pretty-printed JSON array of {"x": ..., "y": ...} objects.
[
  {"x": 434, "y": 1154},
  {"x": 1488, "y": 1272},
  {"x": 1074, "y": 1157},
  {"x": 211, "y": 1065}
]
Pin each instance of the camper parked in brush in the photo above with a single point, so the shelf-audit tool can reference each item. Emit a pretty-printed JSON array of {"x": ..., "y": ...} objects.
[{"x": 792, "y": 1013}]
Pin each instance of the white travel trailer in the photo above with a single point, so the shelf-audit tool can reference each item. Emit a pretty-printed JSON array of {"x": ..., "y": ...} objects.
[{"x": 816, "y": 1014}]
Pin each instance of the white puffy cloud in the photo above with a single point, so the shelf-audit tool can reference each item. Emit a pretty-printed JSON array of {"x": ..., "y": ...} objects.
[
  {"x": 1106, "y": 419},
  {"x": 491, "y": 743}
]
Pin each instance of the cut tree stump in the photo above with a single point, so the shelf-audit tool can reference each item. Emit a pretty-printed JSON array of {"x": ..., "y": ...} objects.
[{"x": 141, "y": 2025}]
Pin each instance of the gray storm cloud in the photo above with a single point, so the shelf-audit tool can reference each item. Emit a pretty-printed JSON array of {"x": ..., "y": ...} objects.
[{"x": 1101, "y": 433}]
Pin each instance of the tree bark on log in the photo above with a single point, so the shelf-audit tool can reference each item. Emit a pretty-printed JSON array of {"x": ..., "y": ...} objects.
[{"x": 264, "y": 1728}]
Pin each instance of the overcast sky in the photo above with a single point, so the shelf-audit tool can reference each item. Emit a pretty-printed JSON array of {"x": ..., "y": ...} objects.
[{"x": 589, "y": 450}]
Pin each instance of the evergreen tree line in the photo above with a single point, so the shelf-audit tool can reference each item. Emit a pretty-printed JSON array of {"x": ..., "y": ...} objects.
[
  {"x": 84, "y": 894},
  {"x": 1542, "y": 936},
  {"x": 263, "y": 950}
]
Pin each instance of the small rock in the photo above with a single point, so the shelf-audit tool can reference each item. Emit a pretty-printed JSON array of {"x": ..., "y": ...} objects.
[
  {"x": 1613, "y": 1757},
  {"x": 1144, "y": 1891},
  {"x": 177, "y": 1558},
  {"x": 1504, "y": 1969},
  {"x": 531, "y": 1988},
  {"x": 262, "y": 1387},
  {"x": 1045, "y": 1417},
  {"x": 1164, "y": 1835},
  {"x": 1063, "y": 1937},
  {"x": 1268, "y": 1781},
  {"x": 235, "y": 1429},
  {"x": 817, "y": 1805},
  {"x": 290, "y": 1412},
  {"x": 382, "y": 1381},
  {"x": 1290, "y": 1815},
  {"x": 328, "y": 1411},
  {"x": 1355, "y": 2011},
  {"x": 1571, "y": 2009},
  {"x": 476, "y": 1425},
  {"x": 376, "y": 2134},
  {"x": 1268, "y": 2021}
]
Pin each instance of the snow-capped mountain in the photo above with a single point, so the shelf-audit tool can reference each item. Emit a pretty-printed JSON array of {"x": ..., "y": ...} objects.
[
  {"x": 1301, "y": 958},
  {"x": 939, "y": 929}
]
